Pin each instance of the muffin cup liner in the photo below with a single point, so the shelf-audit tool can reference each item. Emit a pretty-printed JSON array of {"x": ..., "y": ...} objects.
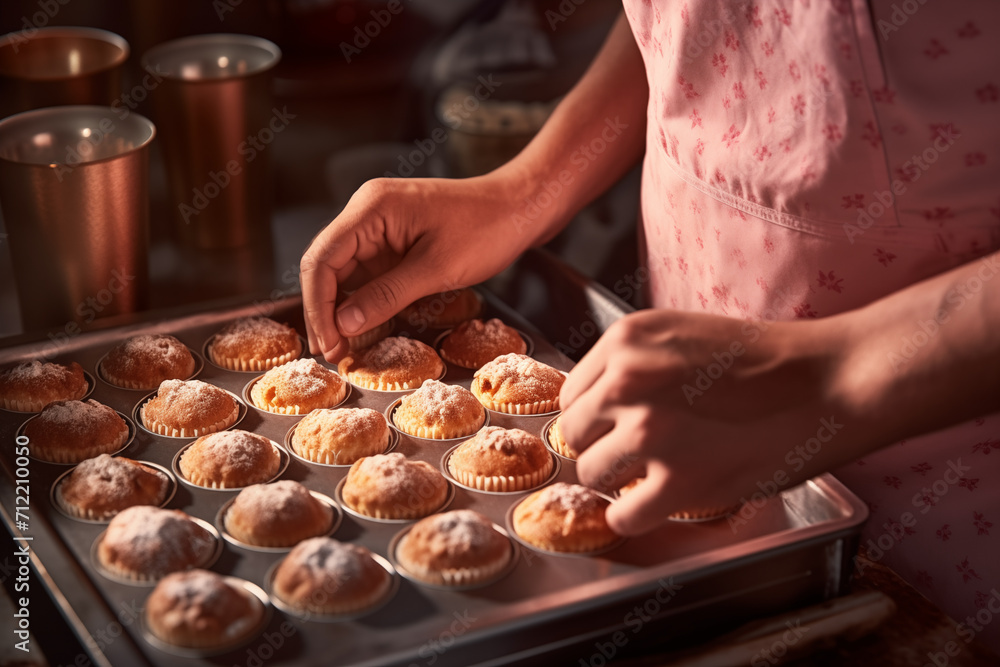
[
  {"x": 336, "y": 518},
  {"x": 428, "y": 433},
  {"x": 28, "y": 407},
  {"x": 368, "y": 606},
  {"x": 406, "y": 515},
  {"x": 458, "y": 578},
  {"x": 283, "y": 460},
  {"x": 81, "y": 455},
  {"x": 380, "y": 385},
  {"x": 360, "y": 342},
  {"x": 89, "y": 516},
  {"x": 251, "y": 365},
  {"x": 160, "y": 429},
  {"x": 199, "y": 365},
  {"x": 249, "y": 396},
  {"x": 560, "y": 449},
  {"x": 140, "y": 579},
  {"x": 523, "y": 409},
  {"x": 499, "y": 485},
  {"x": 322, "y": 457},
  {"x": 250, "y": 633}
]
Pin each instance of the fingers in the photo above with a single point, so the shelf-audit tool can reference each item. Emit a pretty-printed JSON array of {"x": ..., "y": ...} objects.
[
  {"x": 583, "y": 375},
  {"x": 611, "y": 462},
  {"x": 385, "y": 295},
  {"x": 329, "y": 252},
  {"x": 586, "y": 419},
  {"x": 642, "y": 508}
]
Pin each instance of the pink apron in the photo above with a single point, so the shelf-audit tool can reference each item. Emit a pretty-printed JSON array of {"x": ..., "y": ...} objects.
[{"x": 806, "y": 157}]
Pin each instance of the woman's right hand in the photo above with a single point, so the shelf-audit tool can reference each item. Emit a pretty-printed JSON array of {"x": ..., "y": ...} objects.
[{"x": 400, "y": 239}]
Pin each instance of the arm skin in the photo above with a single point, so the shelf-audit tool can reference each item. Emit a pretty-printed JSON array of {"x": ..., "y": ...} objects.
[
  {"x": 401, "y": 239},
  {"x": 626, "y": 411}
]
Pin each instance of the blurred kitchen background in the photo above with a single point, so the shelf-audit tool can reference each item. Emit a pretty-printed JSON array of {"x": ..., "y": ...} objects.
[{"x": 374, "y": 87}]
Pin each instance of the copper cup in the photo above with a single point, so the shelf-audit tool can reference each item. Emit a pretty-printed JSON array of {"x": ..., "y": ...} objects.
[
  {"x": 52, "y": 66},
  {"x": 74, "y": 191},
  {"x": 215, "y": 116}
]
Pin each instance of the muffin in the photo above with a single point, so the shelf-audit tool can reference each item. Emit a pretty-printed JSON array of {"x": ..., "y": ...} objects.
[
  {"x": 557, "y": 442},
  {"x": 281, "y": 514},
  {"x": 71, "y": 431},
  {"x": 475, "y": 343},
  {"x": 340, "y": 436},
  {"x": 298, "y": 387},
  {"x": 456, "y": 548},
  {"x": 254, "y": 344},
  {"x": 199, "y": 609},
  {"x": 390, "y": 486},
  {"x": 145, "y": 543},
  {"x": 443, "y": 310},
  {"x": 500, "y": 459},
  {"x": 143, "y": 362},
  {"x": 188, "y": 409},
  {"x": 230, "y": 460},
  {"x": 103, "y": 486},
  {"x": 519, "y": 385},
  {"x": 439, "y": 411},
  {"x": 392, "y": 364},
  {"x": 31, "y": 385},
  {"x": 567, "y": 518},
  {"x": 324, "y": 576}
]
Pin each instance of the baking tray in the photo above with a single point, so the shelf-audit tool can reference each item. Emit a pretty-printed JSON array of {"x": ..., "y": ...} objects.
[{"x": 671, "y": 584}]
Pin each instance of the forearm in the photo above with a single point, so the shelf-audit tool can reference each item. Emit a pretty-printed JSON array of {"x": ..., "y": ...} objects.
[
  {"x": 927, "y": 356},
  {"x": 594, "y": 136}
]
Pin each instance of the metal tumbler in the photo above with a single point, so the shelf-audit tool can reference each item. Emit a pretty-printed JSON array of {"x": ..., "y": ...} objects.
[
  {"x": 216, "y": 120},
  {"x": 74, "y": 191},
  {"x": 46, "y": 67}
]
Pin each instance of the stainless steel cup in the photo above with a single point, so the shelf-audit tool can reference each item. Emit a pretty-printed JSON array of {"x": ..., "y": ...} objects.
[
  {"x": 74, "y": 191},
  {"x": 51, "y": 66},
  {"x": 216, "y": 120}
]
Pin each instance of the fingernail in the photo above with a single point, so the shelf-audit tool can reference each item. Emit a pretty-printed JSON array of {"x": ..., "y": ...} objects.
[{"x": 350, "y": 319}]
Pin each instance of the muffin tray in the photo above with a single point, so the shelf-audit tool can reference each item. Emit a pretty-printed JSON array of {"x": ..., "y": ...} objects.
[{"x": 671, "y": 584}]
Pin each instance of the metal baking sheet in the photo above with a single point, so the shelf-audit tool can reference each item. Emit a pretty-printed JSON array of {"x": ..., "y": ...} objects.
[{"x": 792, "y": 550}]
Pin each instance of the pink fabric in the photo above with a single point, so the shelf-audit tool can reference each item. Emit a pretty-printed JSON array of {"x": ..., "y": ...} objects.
[{"x": 806, "y": 157}]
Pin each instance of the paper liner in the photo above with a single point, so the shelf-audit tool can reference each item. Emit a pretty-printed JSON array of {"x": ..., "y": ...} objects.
[
  {"x": 536, "y": 408},
  {"x": 336, "y": 605},
  {"x": 162, "y": 429},
  {"x": 26, "y": 405},
  {"x": 456, "y": 576},
  {"x": 202, "y": 481},
  {"x": 355, "y": 343},
  {"x": 581, "y": 546},
  {"x": 498, "y": 484},
  {"x": 329, "y": 456},
  {"x": 705, "y": 514},
  {"x": 76, "y": 456},
  {"x": 379, "y": 385},
  {"x": 439, "y": 432},
  {"x": 259, "y": 402},
  {"x": 236, "y": 364},
  {"x": 400, "y": 512}
]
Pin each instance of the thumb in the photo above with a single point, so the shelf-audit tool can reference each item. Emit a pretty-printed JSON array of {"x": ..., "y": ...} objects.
[{"x": 379, "y": 299}]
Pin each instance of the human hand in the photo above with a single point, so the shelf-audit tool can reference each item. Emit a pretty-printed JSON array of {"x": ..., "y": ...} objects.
[
  {"x": 710, "y": 409},
  {"x": 398, "y": 240}
]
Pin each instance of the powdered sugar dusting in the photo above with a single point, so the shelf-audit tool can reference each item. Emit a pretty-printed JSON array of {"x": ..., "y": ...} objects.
[
  {"x": 238, "y": 450},
  {"x": 570, "y": 498},
  {"x": 37, "y": 370},
  {"x": 395, "y": 352},
  {"x": 395, "y": 473},
  {"x": 506, "y": 440},
  {"x": 79, "y": 418},
  {"x": 162, "y": 540},
  {"x": 302, "y": 378},
  {"x": 286, "y": 498},
  {"x": 157, "y": 353},
  {"x": 459, "y": 531},
  {"x": 326, "y": 555},
  {"x": 521, "y": 374},
  {"x": 441, "y": 403},
  {"x": 115, "y": 480}
]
